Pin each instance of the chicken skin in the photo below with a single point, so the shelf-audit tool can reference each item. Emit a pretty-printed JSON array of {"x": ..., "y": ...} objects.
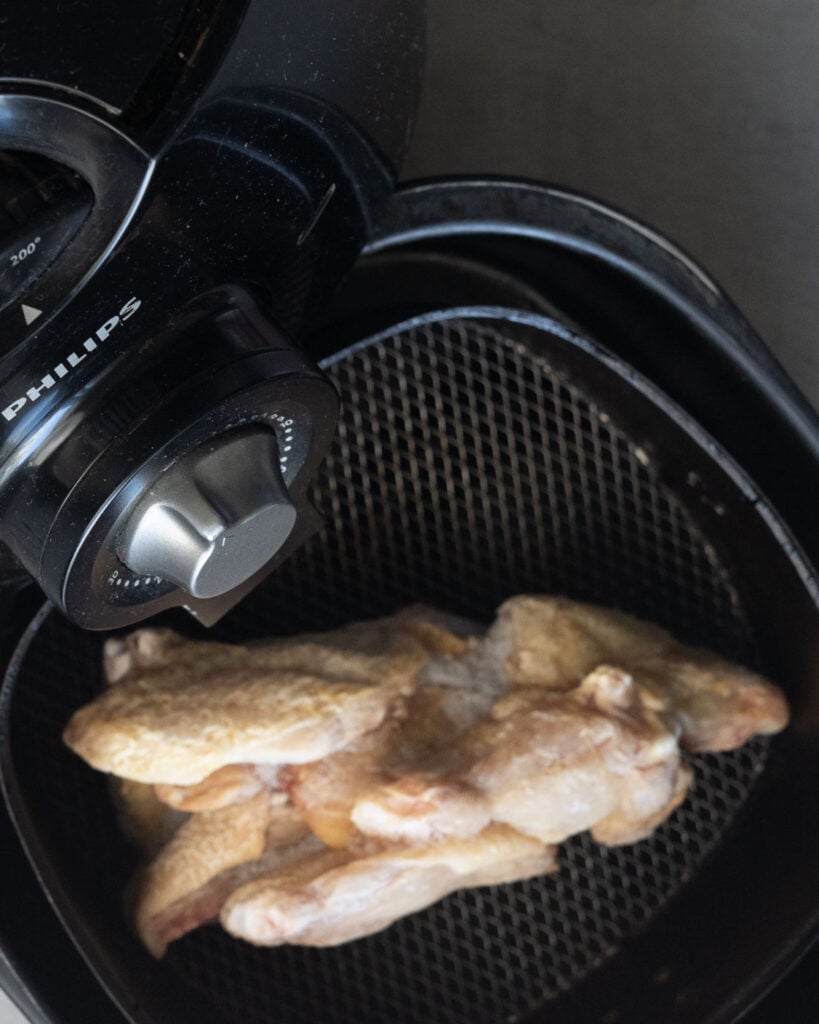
[
  {"x": 598, "y": 757},
  {"x": 421, "y": 807},
  {"x": 313, "y": 790},
  {"x": 229, "y": 785},
  {"x": 178, "y": 710},
  {"x": 325, "y": 792},
  {"x": 337, "y": 896},
  {"x": 552, "y": 642},
  {"x": 398, "y": 782},
  {"x": 208, "y": 858}
]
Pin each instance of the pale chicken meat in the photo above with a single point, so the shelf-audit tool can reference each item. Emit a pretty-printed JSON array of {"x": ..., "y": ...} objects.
[
  {"x": 598, "y": 757},
  {"x": 202, "y": 905},
  {"x": 553, "y": 642},
  {"x": 229, "y": 785},
  {"x": 716, "y": 704},
  {"x": 421, "y": 807},
  {"x": 326, "y": 791},
  {"x": 392, "y": 783},
  {"x": 178, "y": 710},
  {"x": 329, "y": 784},
  {"x": 207, "y": 858},
  {"x": 338, "y": 896}
]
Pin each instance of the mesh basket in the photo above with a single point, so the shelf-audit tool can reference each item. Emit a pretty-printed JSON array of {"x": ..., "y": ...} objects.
[{"x": 470, "y": 464}]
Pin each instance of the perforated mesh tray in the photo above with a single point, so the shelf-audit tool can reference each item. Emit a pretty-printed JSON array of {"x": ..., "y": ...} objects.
[{"x": 478, "y": 456}]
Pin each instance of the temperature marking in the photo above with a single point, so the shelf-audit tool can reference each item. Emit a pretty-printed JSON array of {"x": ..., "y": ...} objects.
[
  {"x": 117, "y": 580},
  {"x": 25, "y": 252},
  {"x": 285, "y": 438}
]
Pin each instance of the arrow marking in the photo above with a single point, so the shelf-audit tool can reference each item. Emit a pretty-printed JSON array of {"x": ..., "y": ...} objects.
[{"x": 30, "y": 314}]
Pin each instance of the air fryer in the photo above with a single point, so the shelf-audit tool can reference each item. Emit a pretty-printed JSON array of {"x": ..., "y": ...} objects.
[{"x": 223, "y": 322}]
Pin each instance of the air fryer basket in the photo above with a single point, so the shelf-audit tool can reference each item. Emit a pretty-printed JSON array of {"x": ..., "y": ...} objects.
[
  {"x": 481, "y": 453},
  {"x": 473, "y": 462}
]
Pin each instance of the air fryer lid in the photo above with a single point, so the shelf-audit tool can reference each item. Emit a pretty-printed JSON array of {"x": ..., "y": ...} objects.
[
  {"x": 166, "y": 242},
  {"x": 481, "y": 453}
]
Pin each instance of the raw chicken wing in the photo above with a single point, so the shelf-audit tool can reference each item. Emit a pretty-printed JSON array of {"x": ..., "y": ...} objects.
[
  {"x": 326, "y": 791},
  {"x": 552, "y": 765},
  {"x": 183, "y": 709},
  {"x": 420, "y": 807},
  {"x": 341, "y": 781},
  {"x": 189, "y": 880},
  {"x": 335, "y": 897},
  {"x": 553, "y": 642}
]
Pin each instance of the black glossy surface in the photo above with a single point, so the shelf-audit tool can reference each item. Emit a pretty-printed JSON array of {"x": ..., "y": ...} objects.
[
  {"x": 112, "y": 166},
  {"x": 30, "y": 934},
  {"x": 364, "y": 56},
  {"x": 103, "y": 50},
  {"x": 254, "y": 144},
  {"x": 322, "y": 183},
  {"x": 64, "y": 993},
  {"x": 146, "y": 67},
  {"x": 42, "y": 206}
]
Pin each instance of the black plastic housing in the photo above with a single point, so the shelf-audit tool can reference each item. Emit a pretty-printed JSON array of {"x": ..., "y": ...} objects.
[
  {"x": 188, "y": 238},
  {"x": 146, "y": 68},
  {"x": 251, "y": 149},
  {"x": 245, "y": 143}
]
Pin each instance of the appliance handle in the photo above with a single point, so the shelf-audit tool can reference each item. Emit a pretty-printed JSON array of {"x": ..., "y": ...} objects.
[
  {"x": 428, "y": 209},
  {"x": 618, "y": 273}
]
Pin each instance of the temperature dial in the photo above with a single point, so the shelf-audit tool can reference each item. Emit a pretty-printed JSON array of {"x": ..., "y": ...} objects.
[{"x": 215, "y": 518}]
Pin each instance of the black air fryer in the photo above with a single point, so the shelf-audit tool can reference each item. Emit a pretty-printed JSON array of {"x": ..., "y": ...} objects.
[
  {"x": 248, "y": 387},
  {"x": 181, "y": 195}
]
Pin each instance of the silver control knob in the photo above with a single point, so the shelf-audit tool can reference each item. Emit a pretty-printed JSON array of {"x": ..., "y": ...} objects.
[{"x": 214, "y": 518}]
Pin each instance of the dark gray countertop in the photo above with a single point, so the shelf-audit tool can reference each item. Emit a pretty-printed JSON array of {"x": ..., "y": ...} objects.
[{"x": 700, "y": 118}]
